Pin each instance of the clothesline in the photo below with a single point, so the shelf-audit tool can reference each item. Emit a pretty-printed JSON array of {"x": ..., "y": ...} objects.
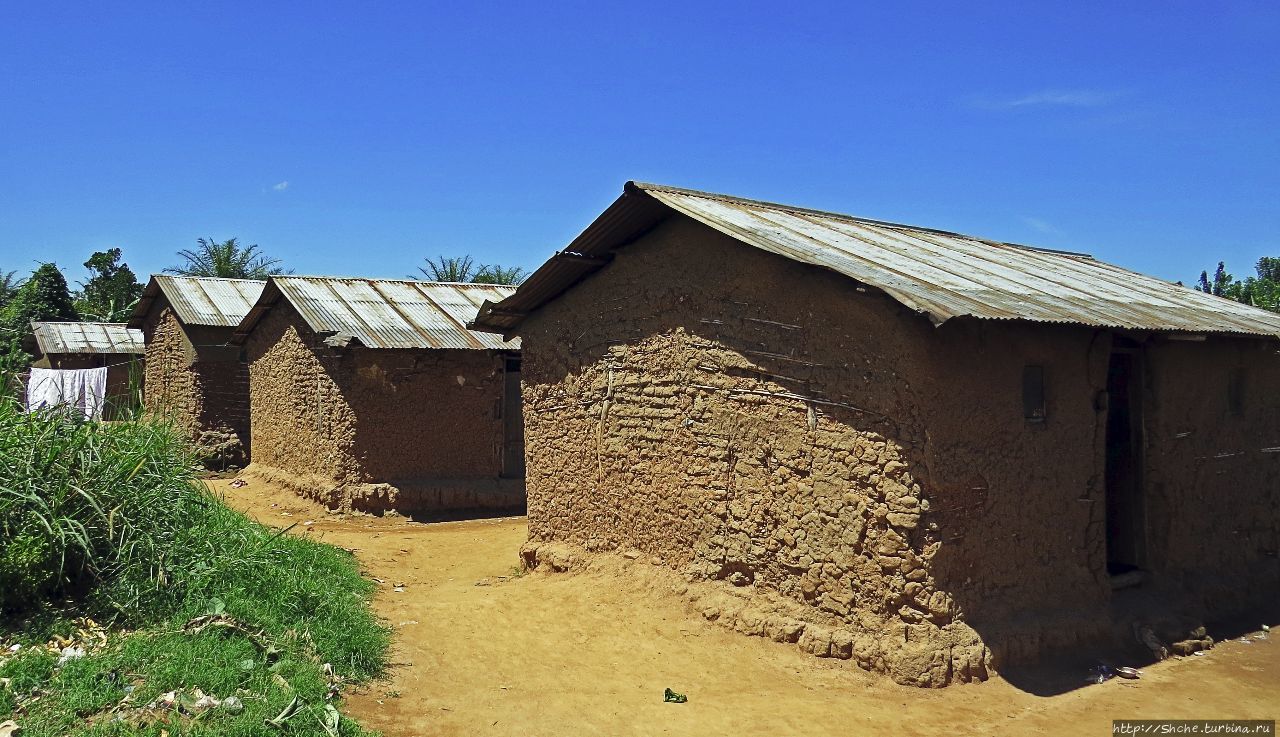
[
  {"x": 110, "y": 365},
  {"x": 113, "y": 365}
]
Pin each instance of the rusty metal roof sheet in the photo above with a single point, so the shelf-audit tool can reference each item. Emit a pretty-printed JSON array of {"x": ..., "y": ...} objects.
[
  {"x": 86, "y": 337},
  {"x": 937, "y": 273},
  {"x": 385, "y": 313},
  {"x": 200, "y": 300}
]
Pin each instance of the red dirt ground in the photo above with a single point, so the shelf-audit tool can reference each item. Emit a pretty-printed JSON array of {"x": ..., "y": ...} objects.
[{"x": 590, "y": 653}]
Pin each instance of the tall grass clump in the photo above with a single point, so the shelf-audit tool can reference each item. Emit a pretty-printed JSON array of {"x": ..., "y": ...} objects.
[
  {"x": 109, "y": 520},
  {"x": 84, "y": 503}
]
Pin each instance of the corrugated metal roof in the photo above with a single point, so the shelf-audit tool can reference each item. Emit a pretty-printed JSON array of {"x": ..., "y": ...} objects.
[
  {"x": 940, "y": 274},
  {"x": 86, "y": 337},
  {"x": 386, "y": 313},
  {"x": 201, "y": 300}
]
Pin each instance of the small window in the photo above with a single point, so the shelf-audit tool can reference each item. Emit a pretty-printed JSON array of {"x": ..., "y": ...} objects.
[
  {"x": 1236, "y": 386},
  {"x": 1033, "y": 393}
]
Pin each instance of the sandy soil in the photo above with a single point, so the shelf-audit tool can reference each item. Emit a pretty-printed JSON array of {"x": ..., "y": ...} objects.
[{"x": 590, "y": 653}]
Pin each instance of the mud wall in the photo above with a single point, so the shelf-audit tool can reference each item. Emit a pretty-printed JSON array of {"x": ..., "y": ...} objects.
[
  {"x": 222, "y": 379},
  {"x": 397, "y": 429},
  {"x": 169, "y": 381},
  {"x": 300, "y": 421},
  {"x": 1213, "y": 469},
  {"x": 195, "y": 377},
  {"x": 743, "y": 417}
]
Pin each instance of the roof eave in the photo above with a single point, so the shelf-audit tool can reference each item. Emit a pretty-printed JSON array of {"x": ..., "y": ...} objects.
[
  {"x": 266, "y": 300},
  {"x": 634, "y": 213},
  {"x": 143, "y": 307}
]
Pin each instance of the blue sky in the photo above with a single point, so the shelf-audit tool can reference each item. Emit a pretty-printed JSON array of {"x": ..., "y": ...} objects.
[{"x": 358, "y": 138}]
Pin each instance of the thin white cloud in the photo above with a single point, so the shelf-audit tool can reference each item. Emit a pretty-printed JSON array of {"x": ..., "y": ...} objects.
[
  {"x": 1042, "y": 226},
  {"x": 282, "y": 186},
  {"x": 1052, "y": 98}
]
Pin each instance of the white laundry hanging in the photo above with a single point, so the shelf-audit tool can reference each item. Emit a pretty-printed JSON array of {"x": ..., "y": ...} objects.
[
  {"x": 94, "y": 388},
  {"x": 85, "y": 390}
]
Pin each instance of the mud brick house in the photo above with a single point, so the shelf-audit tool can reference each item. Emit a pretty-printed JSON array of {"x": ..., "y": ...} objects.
[
  {"x": 372, "y": 395},
  {"x": 934, "y": 454},
  {"x": 81, "y": 345},
  {"x": 193, "y": 374}
]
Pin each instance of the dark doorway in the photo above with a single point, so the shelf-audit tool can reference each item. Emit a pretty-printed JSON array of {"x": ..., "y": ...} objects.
[
  {"x": 512, "y": 422},
  {"x": 1126, "y": 527}
]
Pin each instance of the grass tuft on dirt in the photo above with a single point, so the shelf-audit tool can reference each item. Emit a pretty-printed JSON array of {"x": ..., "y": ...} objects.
[{"x": 128, "y": 592}]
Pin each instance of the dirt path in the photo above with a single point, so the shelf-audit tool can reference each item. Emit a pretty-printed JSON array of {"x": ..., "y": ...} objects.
[{"x": 590, "y": 653}]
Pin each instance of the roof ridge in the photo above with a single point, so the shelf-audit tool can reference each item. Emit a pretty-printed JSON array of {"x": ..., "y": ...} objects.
[
  {"x": 649, "y": 186},
  {"x": 403, "y": 281},
  {"x": 79, "y": 322},
  {"x": 206, "y": 278}
]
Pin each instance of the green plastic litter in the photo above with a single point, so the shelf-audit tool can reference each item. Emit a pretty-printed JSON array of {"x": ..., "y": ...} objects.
[{"x": 673, "y": 697}]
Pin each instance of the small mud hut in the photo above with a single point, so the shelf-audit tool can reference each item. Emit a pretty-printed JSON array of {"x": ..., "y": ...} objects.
[
  {"x": 371, "y": 395},
  {"x": 82, "y": 345},
  {"x": 193, "y": 373},
  {"x": 933, "y": 454}
]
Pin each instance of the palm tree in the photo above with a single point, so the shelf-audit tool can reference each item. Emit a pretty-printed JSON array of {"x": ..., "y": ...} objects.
[
  {"x": 495, "y": 274},
  {"x": 463, "y": 269},
  {"x": 228, "y": 260},
  {"x": 459, "y": 269}
]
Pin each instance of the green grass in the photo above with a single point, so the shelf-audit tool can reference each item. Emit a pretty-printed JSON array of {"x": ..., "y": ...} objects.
[
  {"x": 108, "y": 520},
  {"x": 155, "y": 661}
]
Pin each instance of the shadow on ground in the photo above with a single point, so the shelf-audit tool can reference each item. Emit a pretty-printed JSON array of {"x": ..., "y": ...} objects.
[{"x": 1064, "y": 673}]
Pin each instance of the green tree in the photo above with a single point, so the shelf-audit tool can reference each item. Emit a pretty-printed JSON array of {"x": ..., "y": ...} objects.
[
  {"x": 1221, "y": 283},
  {"x": 8, "y": 287},
  {"x": 1268, "y": 267},
  {"x": 111, "y": 290},
  {"x": 463, "y": 269},
  {"x": 44, "y": 298},
  {"x": 228, "y": 260},
  {"x": 1262, "y": 290}
]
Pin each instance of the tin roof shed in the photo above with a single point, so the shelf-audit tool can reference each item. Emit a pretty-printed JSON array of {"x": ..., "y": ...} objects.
[
  {"x": 200, "y": 300},
  {"x": 384, "y": 313},
  {"x": 939, "y": 274},
  {"x": 87, "y": 338}
]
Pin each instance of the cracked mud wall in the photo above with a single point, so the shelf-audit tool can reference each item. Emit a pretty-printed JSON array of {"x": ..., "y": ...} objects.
[
  {"x": 375, "y": 430},
  {"x": 193, "y": 376},
  {"x": 169, "y": 380},
  {"x": 739, "y": 416},
  {"x": 1212, "y": 437},
  {"x": 299, "y": 419}
]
